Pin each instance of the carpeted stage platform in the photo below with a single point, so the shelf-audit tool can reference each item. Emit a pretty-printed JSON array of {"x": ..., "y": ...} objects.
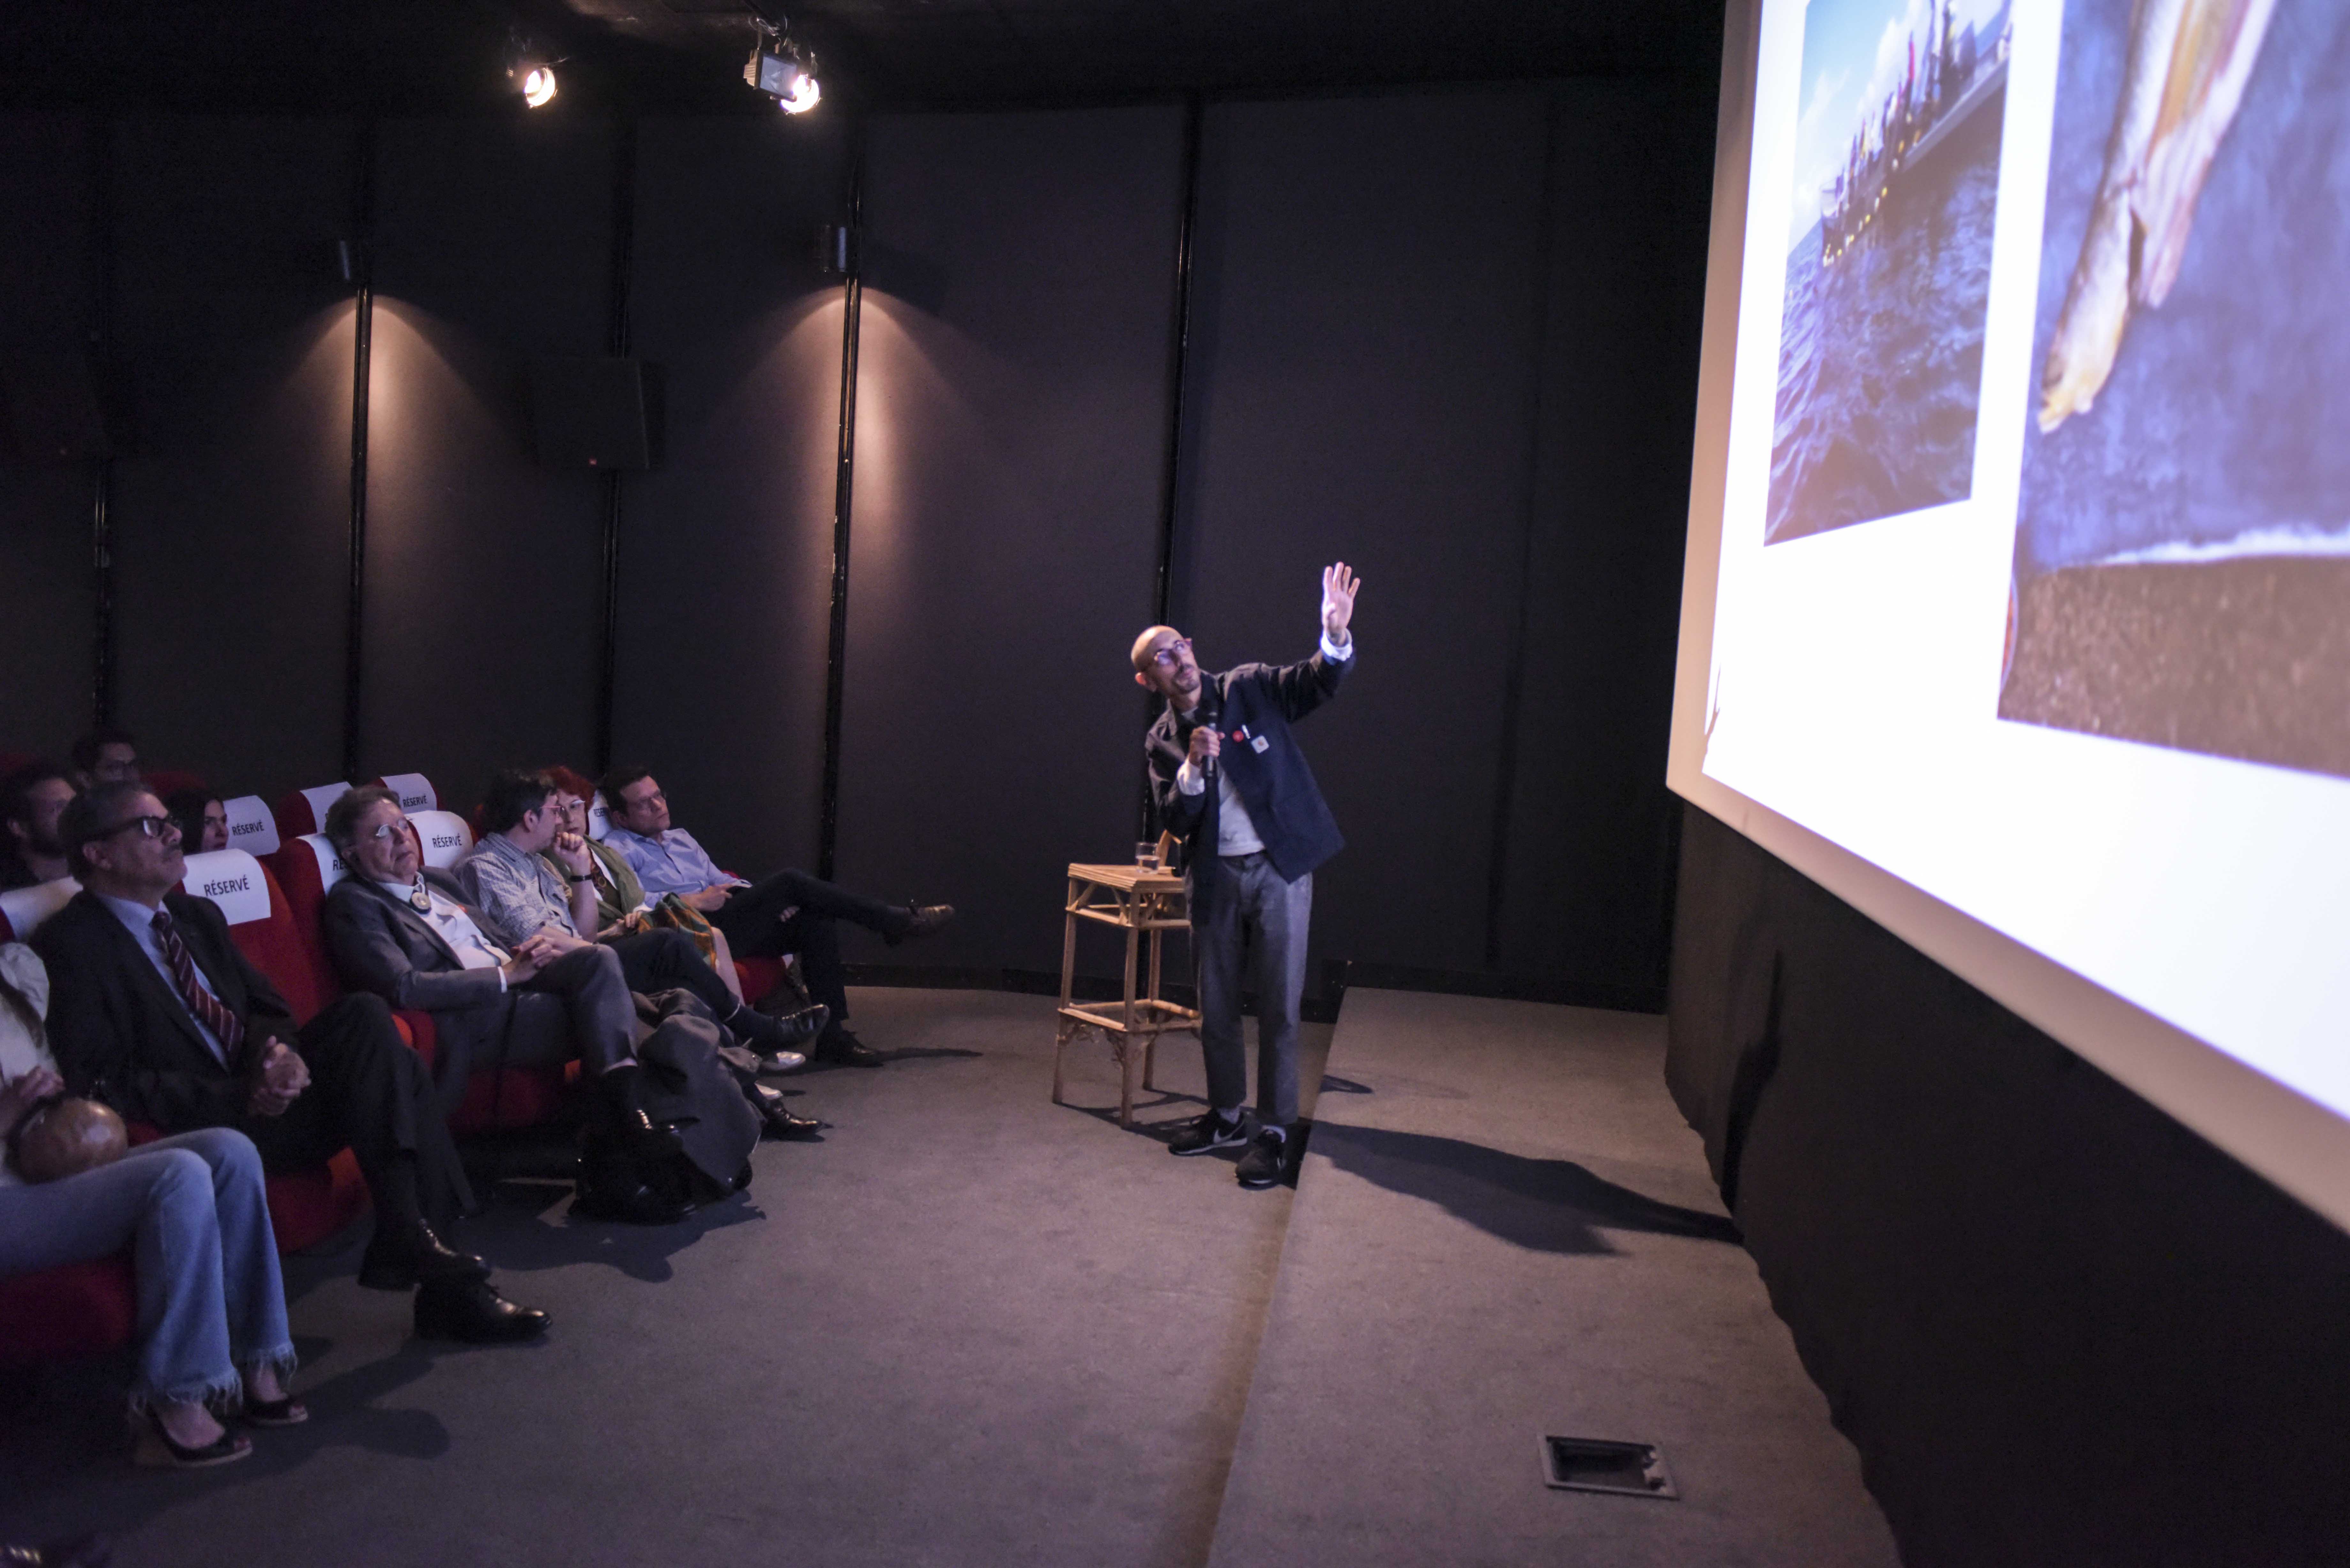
[{"x": 971, "y": 1327}]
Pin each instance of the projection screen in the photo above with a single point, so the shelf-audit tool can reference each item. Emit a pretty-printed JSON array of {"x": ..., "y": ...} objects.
[{"x": 2017, "y": 606}]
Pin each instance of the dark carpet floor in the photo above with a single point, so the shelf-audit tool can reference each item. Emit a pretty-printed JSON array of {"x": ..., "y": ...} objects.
[
  {"x": 969, "y": 1328},
  {"x": 1503, "y": 1229},
  {"x": 973, "y": 1328}
]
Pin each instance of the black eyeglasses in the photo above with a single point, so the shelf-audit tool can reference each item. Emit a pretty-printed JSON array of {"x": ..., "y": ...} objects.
[
  {"x": 148, "y": 826},
  {"x": 383, "y": 831},
  {"x": 1165, "y": 657}
]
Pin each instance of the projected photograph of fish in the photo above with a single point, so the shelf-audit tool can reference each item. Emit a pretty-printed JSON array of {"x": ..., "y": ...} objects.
[
  {"x": 1889, "y": 270},
  {"x": 2182, "y": 553}
]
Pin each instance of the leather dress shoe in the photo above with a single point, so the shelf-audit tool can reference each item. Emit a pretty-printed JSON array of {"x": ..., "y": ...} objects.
[
  {"x": 768, "y": 1033},
  {"x": 846, "y": 1050},
  {"x": 801, "y": 1024},
  {"x": 627, "y": 1200},
  {"x": 921, "y": 919},
  {"x": 776, "y": 1121},
  {"x": 473, "y": 1312},
  {"x": 401, "y": 1258},
  {"x": 644, "y": 1138}
]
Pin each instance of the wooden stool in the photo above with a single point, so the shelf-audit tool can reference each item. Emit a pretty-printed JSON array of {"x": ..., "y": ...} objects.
[{"x": 1141, "y": 903}]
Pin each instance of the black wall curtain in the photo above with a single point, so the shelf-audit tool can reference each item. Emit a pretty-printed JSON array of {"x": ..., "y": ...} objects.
[
  {"x": 1398, "y": 327},
  {"x": 2059, "y": 1327}
]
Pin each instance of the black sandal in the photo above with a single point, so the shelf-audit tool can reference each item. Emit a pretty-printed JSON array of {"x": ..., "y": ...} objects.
[
  {"x": 156, "y": 1449},
  {"x": 287, "y": 1411}
]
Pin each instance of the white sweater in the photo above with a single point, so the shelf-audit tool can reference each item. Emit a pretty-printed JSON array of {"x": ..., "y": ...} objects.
[{"x": 22, "y": 1049}]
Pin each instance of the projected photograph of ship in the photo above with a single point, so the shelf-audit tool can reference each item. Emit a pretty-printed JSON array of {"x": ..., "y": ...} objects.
[
  {"x": 2182, "y": 552},
  {"x": 1888, "y": 278}
]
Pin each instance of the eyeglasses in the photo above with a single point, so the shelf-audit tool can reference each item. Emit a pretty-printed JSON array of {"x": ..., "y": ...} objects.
[
  {"x": 1165, "y": 657},
  {"x": 148, "y": 826},
  {"x": 385, "y": 831},
  {"x": 570, "y": 808}
]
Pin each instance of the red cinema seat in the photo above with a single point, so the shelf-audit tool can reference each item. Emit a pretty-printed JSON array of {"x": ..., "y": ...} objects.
[
  {"x": 165, "y": 781},
  {"x": 301, "y": 811},
  {"x": 80, "y": 1309},
  {"x": 305, "y": 1205}
]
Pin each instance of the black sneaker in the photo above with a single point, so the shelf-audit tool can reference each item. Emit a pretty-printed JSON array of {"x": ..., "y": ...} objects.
[
  {"x": 1262, "y": 1165},
  {"x": 1210, "y": 1132}
]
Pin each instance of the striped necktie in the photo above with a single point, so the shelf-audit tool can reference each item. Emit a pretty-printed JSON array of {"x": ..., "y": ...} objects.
[{"x": 208, "y": 1008}]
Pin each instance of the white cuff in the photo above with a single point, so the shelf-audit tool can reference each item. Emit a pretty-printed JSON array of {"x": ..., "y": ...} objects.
[
  {"x": 1188, "y": 779},
  {"x": 1333, "y": 650}
]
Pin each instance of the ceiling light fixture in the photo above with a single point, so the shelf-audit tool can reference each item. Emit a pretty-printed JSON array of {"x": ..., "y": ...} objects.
[
  {"x": 779, "y": 67},
  {"x": 529, "y": 71}
]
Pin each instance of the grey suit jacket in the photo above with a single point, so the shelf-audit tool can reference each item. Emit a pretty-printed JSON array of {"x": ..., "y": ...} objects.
[{"x": 381, "y": 945}]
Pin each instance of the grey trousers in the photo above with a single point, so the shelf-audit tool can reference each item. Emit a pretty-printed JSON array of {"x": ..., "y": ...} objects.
[
  {"x": 578, "y": 1006},
  {"x": 1257, "y": 910},
  {"x": 193, "y": 1210}
]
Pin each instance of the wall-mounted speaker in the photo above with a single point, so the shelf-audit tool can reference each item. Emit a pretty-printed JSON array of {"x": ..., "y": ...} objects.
[
  {"x": 596, "y": 413},
  {"x": 53, "y": 408}
]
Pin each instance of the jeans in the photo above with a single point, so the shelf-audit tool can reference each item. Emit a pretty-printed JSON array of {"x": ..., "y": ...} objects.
[
  {"x": 1254, "y": 907},
  {"x": 205, "y": 1260}
]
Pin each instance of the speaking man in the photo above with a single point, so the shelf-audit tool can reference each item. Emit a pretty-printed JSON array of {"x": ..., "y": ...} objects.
[{"x": 1230, "y": 781}]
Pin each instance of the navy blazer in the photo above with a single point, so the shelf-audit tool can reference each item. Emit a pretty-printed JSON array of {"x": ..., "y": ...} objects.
[
  {"x": 1254, "y": 703},
  {"x": 122, "y": 1034}
]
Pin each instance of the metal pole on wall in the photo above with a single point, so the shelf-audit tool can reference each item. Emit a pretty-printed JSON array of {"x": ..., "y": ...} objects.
[
  {"x": 100, "y": 152},
  {"x": 844, "y": 485},
  {"x": 1179, "y": 346},
  {"x": 359, "y": 265},
  {"x": 1513, "y": 675},
  {"x": 616, "y": 344}
]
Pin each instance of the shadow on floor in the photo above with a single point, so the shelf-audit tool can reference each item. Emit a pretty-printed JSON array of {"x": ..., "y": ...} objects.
[
  {"x": 522, "y": 1234},
  {"x": 64, "y": 1432},
  {"x": 1545, "y": 1205}
]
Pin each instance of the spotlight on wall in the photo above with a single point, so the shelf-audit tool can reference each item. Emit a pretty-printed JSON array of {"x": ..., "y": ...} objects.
[
  {"x": 530, "y": 72},
  {"x": 779, "y": 67}
]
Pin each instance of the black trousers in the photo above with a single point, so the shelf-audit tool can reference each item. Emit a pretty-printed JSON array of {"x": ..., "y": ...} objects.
[
  {"x": 751, "y": 920},
  {"x": 369, "y": 1091},
  {"x": 666, "y": 959}
]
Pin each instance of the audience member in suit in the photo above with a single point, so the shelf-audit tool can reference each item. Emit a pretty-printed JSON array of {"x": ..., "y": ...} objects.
[
  {"x": 527, "y": 893},
  {"x": 32, "y": 798},
  {"x": 1253, "y": 827},
  {"x": 789, "y": 912},
  {"x": 211, "y": 1311},
  {"x": 155, "y": 1012},
  {"x": 202, "y": 819},
  {"x": 104, "y": 756},
  {"x": 405, "y": 933}
]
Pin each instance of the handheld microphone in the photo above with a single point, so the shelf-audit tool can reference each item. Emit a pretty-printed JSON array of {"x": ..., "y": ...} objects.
[{"x": 1207, "y": 716}]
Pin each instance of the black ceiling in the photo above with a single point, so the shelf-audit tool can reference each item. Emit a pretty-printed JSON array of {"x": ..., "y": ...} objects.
[{"x": 449, "y": 55}]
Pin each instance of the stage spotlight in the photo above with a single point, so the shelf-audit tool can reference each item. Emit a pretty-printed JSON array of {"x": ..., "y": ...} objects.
[
  {"x": 779, "y": 67},
  {"x": 530, "y": 71}
]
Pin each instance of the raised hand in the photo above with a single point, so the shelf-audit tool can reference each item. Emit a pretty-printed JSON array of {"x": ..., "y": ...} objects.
[
  {"x": 571, "y": 852},
  {"x": 1339, "y": 586},
  {"x": 25, "y": 1093}
]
